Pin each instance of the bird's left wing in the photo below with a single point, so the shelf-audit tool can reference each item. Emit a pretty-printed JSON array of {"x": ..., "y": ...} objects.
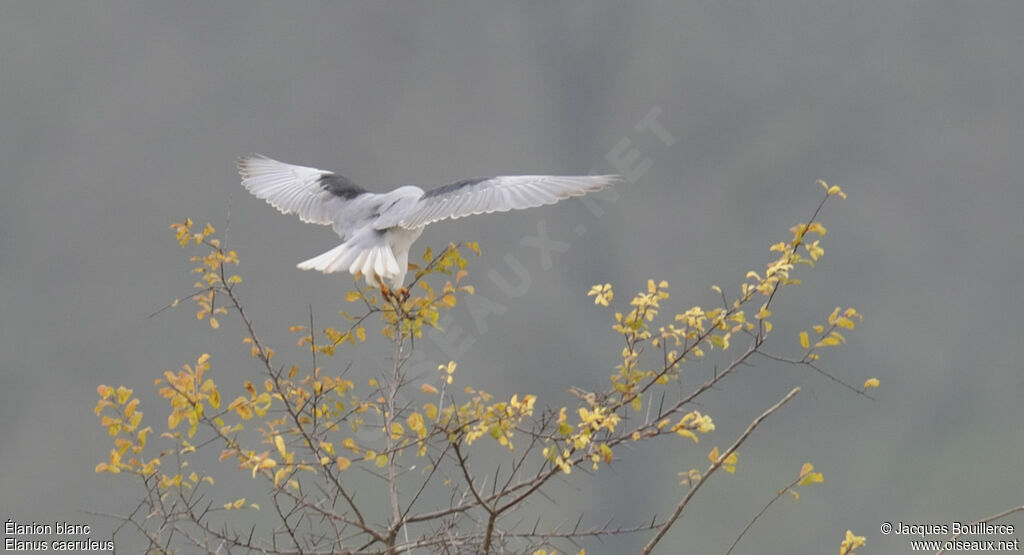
[
  {"x": 317, "y": 196},
  {"x": 499, "y": 194}
]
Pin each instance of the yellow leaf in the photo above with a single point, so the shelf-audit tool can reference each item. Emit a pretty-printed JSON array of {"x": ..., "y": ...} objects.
[
  {"x": 382, "y": 460},
  {"x": 343, "y": 463},
  {"x": 729, "y": 464},
  {"x": 279, "y": 443},
  {"x": 415, "y": 421},
  {"x": 129, "y": 409},
  {"x": 123, "y": 394},
  {"x": 397, "y": 430},
  {"x": 263, "y": 464},
  {"x": 805, "y": 469},
  {"x": 805, "y": 342},
  {"x": 122, "y": 445},
  {"x": 427, "y": 388},
  {"x": 811, "y": 478},
  {"x": 238, "y": 504},
  {"x": 142, "y": 436},
  {"x": 827, "y": 342},
  {"x": 361, "y": 333},
  {"x": 687, "y": 433},
  {"x": 850, "y": 543},
  {"x": 105, "y": 391},
  {"x": 214, "y": 323},
  {"x": 873, "y": 382}
]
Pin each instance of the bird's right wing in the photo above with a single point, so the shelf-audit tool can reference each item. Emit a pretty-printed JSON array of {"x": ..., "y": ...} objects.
[
  {"x": 317, "y": 196},
  {"x": 499, "y": 194}
]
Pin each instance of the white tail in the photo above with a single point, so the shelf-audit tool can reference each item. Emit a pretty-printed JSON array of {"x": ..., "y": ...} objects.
[
  {"x": 326, "y": 262},
  {"x": 370, "y": 261}
]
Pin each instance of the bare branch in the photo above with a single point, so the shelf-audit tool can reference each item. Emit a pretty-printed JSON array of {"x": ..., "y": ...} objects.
[
  {"x": 663, "y": 529},
  {"x": 987, "y": 519}
]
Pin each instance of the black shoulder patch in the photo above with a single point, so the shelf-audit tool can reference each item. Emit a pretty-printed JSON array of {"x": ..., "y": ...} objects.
[
  {"x": 341, "y": 186},
  {"x": 454, "y": 187}
]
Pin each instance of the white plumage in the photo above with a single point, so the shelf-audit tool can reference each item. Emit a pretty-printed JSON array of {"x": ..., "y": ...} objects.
[{"x": 377, "y": 230}]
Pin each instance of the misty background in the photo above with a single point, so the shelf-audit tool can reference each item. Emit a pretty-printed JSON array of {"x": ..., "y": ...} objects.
[{"x": 119, "y": 118}]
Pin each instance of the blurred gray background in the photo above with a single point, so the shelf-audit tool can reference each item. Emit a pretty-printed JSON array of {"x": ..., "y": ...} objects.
[{"x": 121, "y": 117}]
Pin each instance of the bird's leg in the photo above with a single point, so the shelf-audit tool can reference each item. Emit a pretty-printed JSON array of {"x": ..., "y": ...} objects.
[{"x": 385, "y": 291}]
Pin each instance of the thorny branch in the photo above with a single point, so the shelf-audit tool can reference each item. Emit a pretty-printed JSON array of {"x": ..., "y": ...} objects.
[{"x": 316, "y": 505}]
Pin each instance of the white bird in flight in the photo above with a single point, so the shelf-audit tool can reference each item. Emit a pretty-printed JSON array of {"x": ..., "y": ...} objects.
[{"x": 377, "y": 230}]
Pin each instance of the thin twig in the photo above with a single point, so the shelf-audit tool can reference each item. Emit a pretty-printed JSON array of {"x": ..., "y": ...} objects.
[
  {"x": 996, "y": 516},
  {"x": 762, "y": 511},
  {"x": 711, "y": 470}
]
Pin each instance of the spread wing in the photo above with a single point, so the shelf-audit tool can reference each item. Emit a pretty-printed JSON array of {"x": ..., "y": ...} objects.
[
  {"x": 500, "y": 194},
  {"x": 317, "y": 196}
]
